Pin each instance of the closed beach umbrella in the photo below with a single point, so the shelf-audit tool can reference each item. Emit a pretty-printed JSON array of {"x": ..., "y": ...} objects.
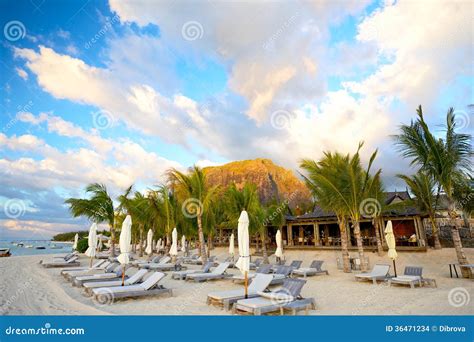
[
  {"x": 243, "y": 264},
  {"x": 183, "y": 243},
  {"x": 149, "y": 238},
  {"x": 390, "y": 238},
  {"x": 92, "y": 241},
  {"x": 125, "y": 243},
  {"x": 279, "y": 242},
  {"x": 158, "y": 245},
  {"x": 76, "y": 239},
  {"x": 99, "y": 244},
  {"x": 174, "y": 244},
  {"x": 231, "y": 245}
]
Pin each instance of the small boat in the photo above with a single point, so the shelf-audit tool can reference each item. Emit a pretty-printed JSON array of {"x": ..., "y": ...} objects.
[
  {"x": 29, "y": 246},
  {"x": 5, "y": 252},
  {"x": 40, "y": 247},
  {"x": 55, "y": 247},
  {"x": 21, "y": 244}
]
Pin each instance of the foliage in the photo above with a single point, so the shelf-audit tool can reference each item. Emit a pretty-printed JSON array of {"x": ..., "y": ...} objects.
[{"x": 82, "y": 245}]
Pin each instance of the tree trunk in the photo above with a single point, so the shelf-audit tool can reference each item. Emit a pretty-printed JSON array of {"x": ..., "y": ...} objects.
[
  {"x": 202, "y": 243},
  {"x": 345, "y": 252},
  {"x": 112, "y": 240},
  {"x": 209, "y": 245},
  {"x": 264, "y": 246},
  {"x": 435, "y": 230},
  {"x": 257, "y": 245},
  {"x": 360, "y": 247},
  {"x": 462, "y": 259},
  {"x": 376, "y": 222},
  {"x": 140, "y": 254}
]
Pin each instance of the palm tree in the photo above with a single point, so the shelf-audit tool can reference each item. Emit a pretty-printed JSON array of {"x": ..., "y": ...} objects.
[
  {"x": 246, "y": 199},
  {"x": 98, "y": 208},
  {"x": 325, "y": 181},
  {"x": 197, "y": 197},
  {"x": 422, "y": 186},
  {"x": 444, "y": 159}
]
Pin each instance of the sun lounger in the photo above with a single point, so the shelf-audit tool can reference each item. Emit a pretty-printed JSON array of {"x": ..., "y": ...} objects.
[
  {"x": 167, "y": 267},
  {"x": 379, "y": 272},
  {"x": 278, "y": 300},
  {"x": 69, "y": 275},
  {"x": 116, "y": 273},
  {"x": 313, "y": 269},
  {"x": 162, "y": 261},
  {"x": 71, "y": 262},
  {"x": 263, "y": 269},
  {"x": 226, "y": 298},
  {"x": 217, "y": 273},
  {"x": 281, "y": 273},
  {"x": 154, "y": 259},
  {"x": 180, "y": 275},
  {"x": 411, "y": 276},
  {"x": 100, "y": 264},
  {"x": 133, "y": 279},
  {"x": 198, "y": 261},
  {"x": 256, "y": 264},
  {"x": 149, "y": 287}
]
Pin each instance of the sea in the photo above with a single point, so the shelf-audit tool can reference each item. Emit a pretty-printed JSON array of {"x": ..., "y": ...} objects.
[{"x": 29, "y": 247}]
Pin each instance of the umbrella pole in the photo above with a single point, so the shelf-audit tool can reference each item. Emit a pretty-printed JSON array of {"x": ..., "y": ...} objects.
[
  {"x": 123, "y": 275},
  {"x": 246, "y": 284},
  {"x": 90, "y": 265},
  {"x": 394, "y": 267}
]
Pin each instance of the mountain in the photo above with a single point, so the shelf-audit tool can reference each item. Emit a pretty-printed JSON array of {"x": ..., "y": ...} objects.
[{"x": 272, "y": 181}]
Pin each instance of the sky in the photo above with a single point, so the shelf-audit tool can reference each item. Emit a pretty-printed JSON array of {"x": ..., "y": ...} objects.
[{"x": 118, "y": 92}]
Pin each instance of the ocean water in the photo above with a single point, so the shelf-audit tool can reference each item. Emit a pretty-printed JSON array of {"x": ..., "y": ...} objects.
[{"x": 15, "y": 250}]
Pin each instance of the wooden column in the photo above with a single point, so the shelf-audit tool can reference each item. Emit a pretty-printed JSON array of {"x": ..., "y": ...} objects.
[
  {"x": 316, "y": 233},
  {"x": 289, "y": 233}
]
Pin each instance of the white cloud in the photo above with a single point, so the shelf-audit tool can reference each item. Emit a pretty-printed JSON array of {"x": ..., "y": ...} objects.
[{"x": 22, "y": 73}]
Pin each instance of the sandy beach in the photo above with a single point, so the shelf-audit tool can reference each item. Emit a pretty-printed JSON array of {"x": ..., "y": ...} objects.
[{"x": 26, "y": 288}]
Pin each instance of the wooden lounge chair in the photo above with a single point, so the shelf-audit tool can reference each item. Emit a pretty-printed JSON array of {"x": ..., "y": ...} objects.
[
  {"x": 71, "y": 262},
  {"x": 312, "y": 270},
  {"x": 180, "y": 275},
  {"x": 254, "y": 265},
  {"x": 226, "y": 298},
  {"x": 133, "y": 279},
  {"x": 263, "y": 269},
  {"x": 99, "y": 265},
  {"x": 198, "y": 261},
  {"x": 154, "y": 259},
  {"x": 162, "y": 261},
  {"x": 217, "y": 273},
  {"x": 379, "y": 272},
  {"x": 281, "y": 273},
  {"x": 167, "y": 266},
  {"x": 149, "y": 287},
  {"x": 412, "y": 276},
  {"x": 114, "y": 274},
  {"x": 70, "y": 275},
  {"x": 288, "y": 296}
]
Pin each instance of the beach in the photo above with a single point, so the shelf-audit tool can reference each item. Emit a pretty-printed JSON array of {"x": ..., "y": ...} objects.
[{"x": 27, "y": 288}]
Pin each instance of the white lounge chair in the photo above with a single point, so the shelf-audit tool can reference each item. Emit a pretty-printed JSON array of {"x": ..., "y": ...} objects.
[
  {"x": 180, "y": 275},
  {"x": 162, "y": 261},
  {"x": 411, "y": 276},
  {"x": 135, "y": 278},
  {"x": 263, "y": 269},
  {"x": 149, "y": 287},
  {"x": 226, "y": 298},
  {"x": 313, "y": 269},
  {"x": 217, "y": 273},
  {"x": 114, "y": 274},
  {"x": 70, "y": 262},
  {"x": 378, "y": 273},
  {"x": 107, "y": 267},
  {"x": 100, "y": 264}
]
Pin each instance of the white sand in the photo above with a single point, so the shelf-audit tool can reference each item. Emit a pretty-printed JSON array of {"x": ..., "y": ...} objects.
[{"x": 26, "y": 288}]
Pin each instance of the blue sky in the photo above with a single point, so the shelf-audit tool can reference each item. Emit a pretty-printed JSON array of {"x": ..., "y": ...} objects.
[{"x": 120, "y": 91}]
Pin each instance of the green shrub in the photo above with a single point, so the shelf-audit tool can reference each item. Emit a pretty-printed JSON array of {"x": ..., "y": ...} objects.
[{"x": 82, "y": 245}]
